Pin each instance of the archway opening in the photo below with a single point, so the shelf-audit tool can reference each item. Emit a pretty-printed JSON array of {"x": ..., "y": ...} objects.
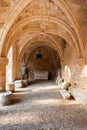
[{"x": 42, "y": 63}]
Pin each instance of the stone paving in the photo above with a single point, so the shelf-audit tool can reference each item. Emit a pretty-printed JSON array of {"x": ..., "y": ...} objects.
[{"x": 41, "y": 107}]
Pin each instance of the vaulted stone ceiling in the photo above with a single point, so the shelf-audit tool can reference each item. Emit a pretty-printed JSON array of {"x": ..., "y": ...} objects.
[
  {"x": 6, "y": 7},
  {"x": 23, "y": 22}
]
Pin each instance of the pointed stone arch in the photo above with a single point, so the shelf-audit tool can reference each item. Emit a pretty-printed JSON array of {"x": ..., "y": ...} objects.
[
  {"x": 31, "y": 42},
  {"x": 68, "y": 36},
  {"x": 64, "y": 7}
]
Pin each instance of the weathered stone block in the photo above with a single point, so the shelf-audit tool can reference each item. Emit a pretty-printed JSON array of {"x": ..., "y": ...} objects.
[
  {"x": 65, "y": 85},
  {"x": 79, "y": 95},
  {"x": 10, "y": 87},
  {"x": 1, "y": 89},
  {"x": 18, "y": 84},
  {"x": 65, "y": 94},
  {"x": 6, "y": 98}
]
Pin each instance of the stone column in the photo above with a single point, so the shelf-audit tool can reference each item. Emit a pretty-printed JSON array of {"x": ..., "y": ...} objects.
[
  {"x": 16, "y": 70},
  {"x": 62, "y": 67},
  {"x": 3, "y": 63}
]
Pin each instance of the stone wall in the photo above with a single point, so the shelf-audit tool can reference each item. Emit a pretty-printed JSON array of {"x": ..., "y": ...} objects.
[
  {"x": 70, "y": 65},
  {"x": 82, "y": 82},
  {"x": 74, "y": 69},
  {"x": 49, "y": 62}
]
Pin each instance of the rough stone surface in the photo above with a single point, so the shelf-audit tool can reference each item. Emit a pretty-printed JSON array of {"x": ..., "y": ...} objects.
[
  {"x": 41, "y": 107},
  {"x": 56, "y": 24},
  {"x": 18, "y": 84},
  {"x": 79, "y": 95},
  {"x": 6, "y": 98},
  {"x": 10, "y": 87},
  {"x": 49, "y": 62},
  {"x": 25, "y": 83}
]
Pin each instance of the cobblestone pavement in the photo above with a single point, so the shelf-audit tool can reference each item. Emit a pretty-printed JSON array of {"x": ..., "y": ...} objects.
[{"x": 41, "y": 107}]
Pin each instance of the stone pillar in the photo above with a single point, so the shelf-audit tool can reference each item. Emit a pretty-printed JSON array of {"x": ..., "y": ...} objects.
[
  {"x": 62, "y": 68},
  {"x": 82, "y": 73},
  {"x": 16, "y": 70},
  {"x": 3, "y": 63}
]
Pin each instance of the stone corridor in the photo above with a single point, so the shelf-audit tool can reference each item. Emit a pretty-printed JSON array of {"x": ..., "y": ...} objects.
[{"x": 40, "y": 106}]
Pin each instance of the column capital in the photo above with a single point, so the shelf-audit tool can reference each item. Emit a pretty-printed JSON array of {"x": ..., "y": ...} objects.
[{"x": 3, "y": 61}]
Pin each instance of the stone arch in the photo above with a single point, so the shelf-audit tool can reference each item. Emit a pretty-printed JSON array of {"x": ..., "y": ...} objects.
[
  {"x": 51, "y": 42},
  {"x": 47, "y": 47},
  {"x": 64, "y": 7},
  {"x": 52, "y": 60},
  {"x": 72, "y": 42},
  {"x": 23, "y": 50}
]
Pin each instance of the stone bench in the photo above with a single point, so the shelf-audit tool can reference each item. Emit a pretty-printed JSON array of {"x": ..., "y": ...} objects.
[
  {"x": 6, "y": 98},
  {"x": 18, "y": 84},
  {"x": 10, "y": 87},
  {"x": 41, "y": 75}
]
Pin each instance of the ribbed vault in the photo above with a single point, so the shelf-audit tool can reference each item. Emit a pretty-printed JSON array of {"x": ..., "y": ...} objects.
[
  {"x": 65, "y": 26},
  {"x": 55, "y": 26},
  {"x": 42, "y": 41}
]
